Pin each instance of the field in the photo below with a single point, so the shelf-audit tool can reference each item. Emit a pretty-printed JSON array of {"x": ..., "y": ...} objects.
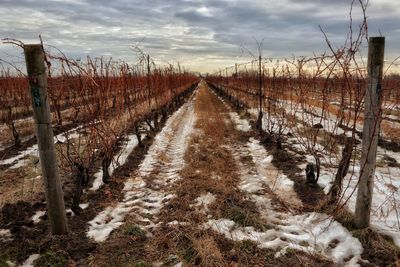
[{"x": 271, "y": 162}]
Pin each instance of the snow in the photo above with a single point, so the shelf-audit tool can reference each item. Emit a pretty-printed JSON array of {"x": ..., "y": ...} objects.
[
  {"x": 278, "y": 182},
  {"x": 145, "y": 201},
  {"x": 204, "y": 201},
  {"x": 105, "y": 222},
  {"x": 5, "y": 235},
  {"x": 19, "y": 161},
  {"x": 240, "y": 124},
  {"x": 30, "y": 260},
  {"x": 36, "y": 217},
  {"x": 384, "y": 216},
  {"x": 118, "y": 160},
  {"x": 82, "y": 206},
  {"x": 265, "y": 174},
  {"x": 175, "y": 222},
  {"x": 308, "y": 232},
  {"x": 30, "y": 151},
  {"x": 385, "y": 201}
]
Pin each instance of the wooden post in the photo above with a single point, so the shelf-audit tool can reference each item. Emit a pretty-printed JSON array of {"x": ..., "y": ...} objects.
[
  {"x": 236, "y": 82},
  {"x": 372, "y": 120},
  {"x": 148, "y": 81},
  {"x": 260, "y": 95},
  {"x": 34, "y": 57},
  {"x": 226, "y": 84}
]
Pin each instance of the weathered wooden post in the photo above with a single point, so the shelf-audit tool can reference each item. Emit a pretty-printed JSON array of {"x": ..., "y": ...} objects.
[
  {"x": 148, "y": 81},
  {"x": 372, "y": 120},
  {"x": 260, "y": 95},
  {"x": 236, "y": 82},
  {"x": 34, "y": 57}
]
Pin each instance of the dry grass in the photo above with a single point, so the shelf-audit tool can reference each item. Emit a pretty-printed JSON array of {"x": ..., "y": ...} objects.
[{"x": 22, "y": 184}]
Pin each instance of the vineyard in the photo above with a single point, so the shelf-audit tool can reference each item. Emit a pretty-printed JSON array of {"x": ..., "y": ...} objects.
[{"x": 271, "y": 162}]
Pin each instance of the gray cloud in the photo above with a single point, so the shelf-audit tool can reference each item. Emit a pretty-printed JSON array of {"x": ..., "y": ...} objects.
[{"x": 203, "y": 35}]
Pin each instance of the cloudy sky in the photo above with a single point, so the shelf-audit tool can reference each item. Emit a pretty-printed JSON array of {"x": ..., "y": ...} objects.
[{"x": 202, "y": 35}]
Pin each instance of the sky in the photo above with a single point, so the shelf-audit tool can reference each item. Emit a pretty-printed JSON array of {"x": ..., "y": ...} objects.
[{"x": 202, "y": 35}]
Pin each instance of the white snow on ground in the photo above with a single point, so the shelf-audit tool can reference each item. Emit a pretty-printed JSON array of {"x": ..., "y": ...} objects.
[
  {"x": 82, "y": 206},
  {"x": 278, "y": 182},
  {"x": 311, "y": 233},
  {"x": 5, "y": 235},
  {"x": 308, "y": 232},
  {"x": 240, "y": 124},
  {"x": 385, "y": 201},
  {"x": 36, "y": 217},
  {"x": 267, "y": 174},
  {"x": 385, "y": 216},
  {"x": 392, "y": 117},
  {"x": 18, "y": 160},
  {"x": 30, "y": 151},
  {"x": 162, "y": 163},
  {"x": 175, "y": 222},
  {"x": 30, "y": 260},
  {"x": 386, "y": 195},
  {"x": 204, "y": 201},
  {"x": 118, "y": 160}
]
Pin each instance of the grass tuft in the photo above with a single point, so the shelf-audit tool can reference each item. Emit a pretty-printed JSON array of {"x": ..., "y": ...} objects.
[
  {"x": 52, "y": 259},
  {"x": 134, "y": 230}
]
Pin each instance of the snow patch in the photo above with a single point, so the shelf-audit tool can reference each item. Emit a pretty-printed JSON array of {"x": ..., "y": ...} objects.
[
  {"x": 175, "y": 222},
  {"x": 240, "y": 124},
  {"x": 106, "y": 221},
  {"x": 118, "y": 160},
  {"x": 263, "y": 174},
  {"x": 5, "y": 235},
  {"x": 29, "y": 261},
  {"x": 204, "y": 201},
  {"x": 36, "y": 217},
  {"x": 18, "y": 161},
  {"x": 82, "y": 206},
  {"x": 146, "y": 202},
  {"x": 317, "y": 231},
  {"x": 308, "y": 232}
]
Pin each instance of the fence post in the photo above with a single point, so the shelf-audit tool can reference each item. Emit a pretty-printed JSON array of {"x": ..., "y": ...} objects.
[
  {"x": 372, "y": 120},
  {"x": 34, "y": 57},
  {"x": 260, "y": 96},
  {"x": 148, "y": 81}
]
